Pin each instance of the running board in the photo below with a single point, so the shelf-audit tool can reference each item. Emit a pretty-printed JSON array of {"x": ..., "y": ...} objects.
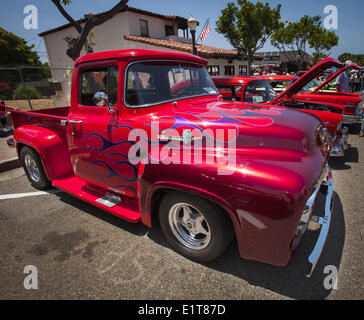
[{"x": 123, "y": 207}]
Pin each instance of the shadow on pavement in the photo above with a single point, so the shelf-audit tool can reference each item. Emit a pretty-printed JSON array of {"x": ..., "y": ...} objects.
[
  {"x": 340, "y": 163},
  {"x": 289, "y": 281},
  {"x": 135, "y": 228},
  {"x": 354, "y": 128}
]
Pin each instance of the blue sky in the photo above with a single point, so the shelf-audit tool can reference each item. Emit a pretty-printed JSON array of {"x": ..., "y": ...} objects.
[{"x": 350, "y": 15}]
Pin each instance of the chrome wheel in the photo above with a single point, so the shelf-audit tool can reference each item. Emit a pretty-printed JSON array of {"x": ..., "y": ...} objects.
[
  {"x": 189, "y": 226},
  {"x": 32, "y": 168}
]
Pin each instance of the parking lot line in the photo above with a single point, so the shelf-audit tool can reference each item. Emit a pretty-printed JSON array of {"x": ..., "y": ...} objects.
[{"x": 27, "y": 194}]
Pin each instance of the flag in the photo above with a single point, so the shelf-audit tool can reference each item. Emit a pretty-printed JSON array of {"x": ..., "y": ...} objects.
[{"x": 205, "y": 30}]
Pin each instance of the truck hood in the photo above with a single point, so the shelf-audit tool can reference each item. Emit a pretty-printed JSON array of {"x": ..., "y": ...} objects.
[
  {"x": 311, "y": 74},
  {"x": 253, "y": 128},
  {"x": 336, "y": 74}
]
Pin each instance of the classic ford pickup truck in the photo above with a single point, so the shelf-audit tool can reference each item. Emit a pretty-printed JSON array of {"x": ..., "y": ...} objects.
[{"x": 136, "y": 144}]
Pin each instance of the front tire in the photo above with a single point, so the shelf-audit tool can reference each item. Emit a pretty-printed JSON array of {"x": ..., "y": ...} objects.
[
  {"x": 33, "y": 168},
  {"x": 195, "y": 227}
]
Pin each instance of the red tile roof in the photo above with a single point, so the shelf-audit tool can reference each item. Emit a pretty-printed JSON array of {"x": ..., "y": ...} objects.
[{"x": 202, "y": 50}]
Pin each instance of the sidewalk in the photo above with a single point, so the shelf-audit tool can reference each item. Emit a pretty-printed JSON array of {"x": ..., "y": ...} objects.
[{"x": 8, "y": 156}]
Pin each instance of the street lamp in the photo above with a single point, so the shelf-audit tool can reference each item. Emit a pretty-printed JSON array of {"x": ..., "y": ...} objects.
[{"x": 192, "y": 24}]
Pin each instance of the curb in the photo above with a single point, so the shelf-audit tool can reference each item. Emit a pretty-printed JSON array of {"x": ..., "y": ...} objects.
[{"x": 9, "y": 164}]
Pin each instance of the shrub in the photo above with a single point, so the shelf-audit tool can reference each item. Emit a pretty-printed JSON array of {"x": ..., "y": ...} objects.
[{"x": 23, "y": 93}]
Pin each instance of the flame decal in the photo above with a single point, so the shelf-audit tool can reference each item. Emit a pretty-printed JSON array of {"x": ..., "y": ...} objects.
[{"x": 106, "y": 169}]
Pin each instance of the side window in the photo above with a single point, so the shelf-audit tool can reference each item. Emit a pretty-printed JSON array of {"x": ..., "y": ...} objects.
[
  {"x": 104, "y": 79},
  {"x": 169, "y": 30},
  {"x": 243, "y": 69},
  {"x": 144, "y": 32},
  {"x": 213, "y": 70},
  {"x": 229, "y": 70}
]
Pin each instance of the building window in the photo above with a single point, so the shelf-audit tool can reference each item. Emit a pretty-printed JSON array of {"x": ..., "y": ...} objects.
[
  {"x": 243, "y": 70},
  {"x": 144, "y": 32},
  {"x": 229, "y": 70},
  {"x": 169, "y": 30},
  {"x": 213, "y": 70}
]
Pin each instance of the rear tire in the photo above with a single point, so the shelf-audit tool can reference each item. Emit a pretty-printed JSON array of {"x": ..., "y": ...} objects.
[
  {"x": 196, "y": 228},
  {"x": 33, "y": 168}
]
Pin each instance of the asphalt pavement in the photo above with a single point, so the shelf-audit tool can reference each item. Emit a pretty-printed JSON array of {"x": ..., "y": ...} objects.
[{"x": 81, "y": 252}]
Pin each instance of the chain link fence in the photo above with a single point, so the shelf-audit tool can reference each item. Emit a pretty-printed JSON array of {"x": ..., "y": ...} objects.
[{"x": 33, "y": 87}]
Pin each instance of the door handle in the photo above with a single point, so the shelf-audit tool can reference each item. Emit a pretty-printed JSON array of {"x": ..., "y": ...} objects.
[{"x": 73, "y": 122}]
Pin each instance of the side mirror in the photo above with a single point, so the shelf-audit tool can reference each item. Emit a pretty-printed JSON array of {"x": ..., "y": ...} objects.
[{"x": 101, "y": 99}]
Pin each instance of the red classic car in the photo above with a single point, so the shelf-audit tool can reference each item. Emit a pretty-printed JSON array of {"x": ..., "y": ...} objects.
[
  {"x": 314, "y": 91},
  {"x": 351, "y": 101},
  {"x": 258, "y": 90},
  {"x": 211, "y": 170}
]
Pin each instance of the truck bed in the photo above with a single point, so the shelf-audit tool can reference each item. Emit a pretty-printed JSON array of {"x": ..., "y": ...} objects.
[{"x": 47, "y": 117}]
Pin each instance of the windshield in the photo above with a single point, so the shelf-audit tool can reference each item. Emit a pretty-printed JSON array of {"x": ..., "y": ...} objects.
[
  {"x": 259, "y": 91},
  {"x": 312, "y": 85},
  {"x": 279, "y": 85},
  {"x": 150, "y": 83}
]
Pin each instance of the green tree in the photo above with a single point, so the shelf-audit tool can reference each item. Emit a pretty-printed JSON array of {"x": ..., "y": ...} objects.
[
  {"x": 316, "y": 58},
  {"x": 322, "y": 41},
  {"x": 247, "y": 26},
  {"x": 292, "y": 38},
  {"x": 85, "y": 26},
  {"x": 14, "y": 51},
  {"x": 357, "y": 58}
]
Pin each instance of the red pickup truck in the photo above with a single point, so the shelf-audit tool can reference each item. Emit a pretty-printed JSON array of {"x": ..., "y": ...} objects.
[{"x": 136, "y": 144}]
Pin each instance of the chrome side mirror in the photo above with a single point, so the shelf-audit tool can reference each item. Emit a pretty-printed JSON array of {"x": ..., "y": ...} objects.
[{"x": 101, "y": 99}]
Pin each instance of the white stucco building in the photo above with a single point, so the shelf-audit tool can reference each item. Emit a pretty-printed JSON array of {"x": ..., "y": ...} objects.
[{"x": 136, "y": 28}]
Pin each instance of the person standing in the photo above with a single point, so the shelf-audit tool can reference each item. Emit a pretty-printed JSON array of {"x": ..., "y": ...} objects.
[
  {"x": 357, "y": 81},
  {"x": 361, "y": 133},
  {"x": 342, "y": 81}
]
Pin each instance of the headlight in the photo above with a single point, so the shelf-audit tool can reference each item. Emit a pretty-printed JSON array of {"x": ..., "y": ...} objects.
[{"x": 323, "y": 134}]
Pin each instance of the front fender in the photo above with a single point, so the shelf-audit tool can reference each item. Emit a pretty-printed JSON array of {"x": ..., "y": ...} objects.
[
  {"x": 50, "y": 146},
  {"x": 264, "y": 199}
]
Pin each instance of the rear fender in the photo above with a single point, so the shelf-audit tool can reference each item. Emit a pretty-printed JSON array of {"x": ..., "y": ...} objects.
[{"x": 50, "y": 146}]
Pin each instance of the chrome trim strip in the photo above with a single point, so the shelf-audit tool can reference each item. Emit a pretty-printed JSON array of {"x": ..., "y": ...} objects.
[
  {"x": 350, "y": 119},
  {"x": 325, "y": 225}
]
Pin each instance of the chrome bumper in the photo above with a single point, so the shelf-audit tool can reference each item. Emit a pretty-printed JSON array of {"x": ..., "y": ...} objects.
[
  {"x": 354, "y": 118},
  {"x": 326, "y": 186}
]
